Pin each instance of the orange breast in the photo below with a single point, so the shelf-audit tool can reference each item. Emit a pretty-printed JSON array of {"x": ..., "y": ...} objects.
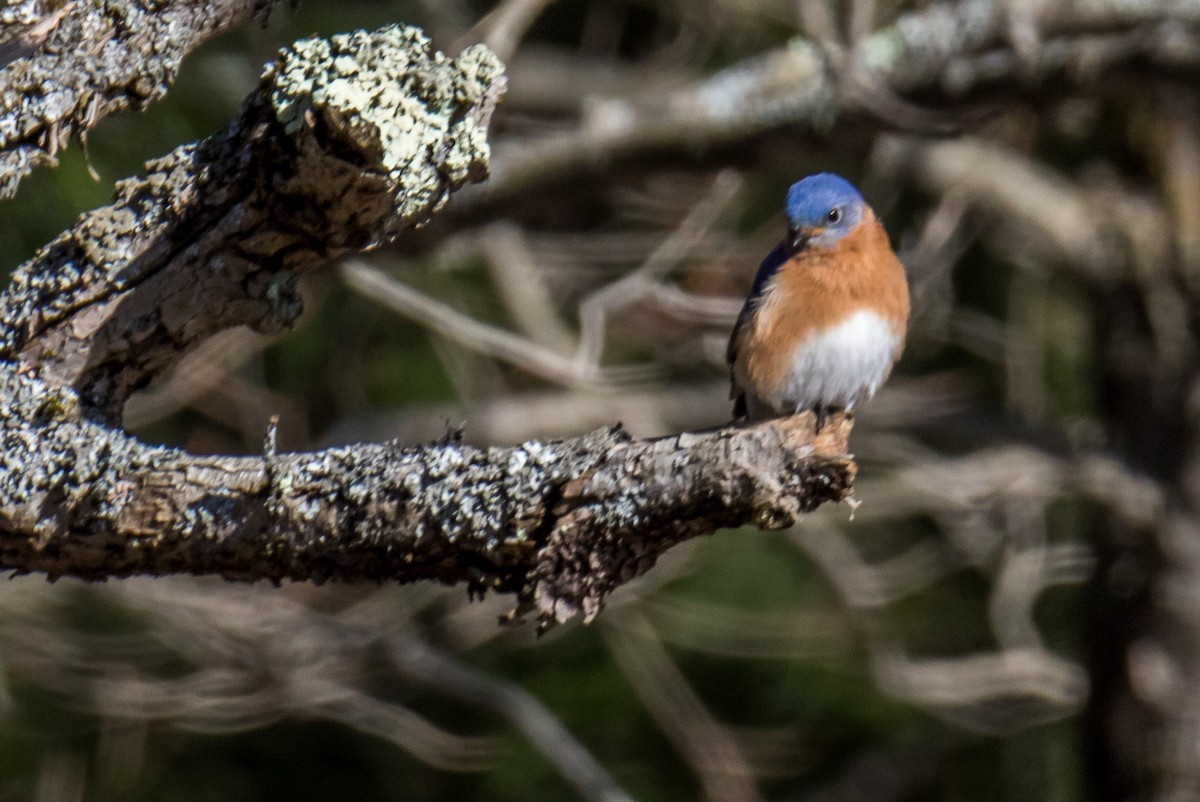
[{"x": 818, "y": 289}]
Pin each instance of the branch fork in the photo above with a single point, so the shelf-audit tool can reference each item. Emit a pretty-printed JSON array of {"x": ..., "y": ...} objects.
[{"x": 347, "y": 143}]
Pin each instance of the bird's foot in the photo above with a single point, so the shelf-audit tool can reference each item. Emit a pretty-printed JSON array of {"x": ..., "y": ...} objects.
[{"x": 823, "y": 414}]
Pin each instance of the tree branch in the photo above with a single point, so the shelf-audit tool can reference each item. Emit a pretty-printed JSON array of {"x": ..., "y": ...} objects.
[
  {"x": 560, "y": 524},
  {"x": 347, "y": 142},
  {"x": 52, "y": 88}
]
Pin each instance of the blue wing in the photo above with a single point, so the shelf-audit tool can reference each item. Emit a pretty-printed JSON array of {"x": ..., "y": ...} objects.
[{"x": 766, "y": 271}]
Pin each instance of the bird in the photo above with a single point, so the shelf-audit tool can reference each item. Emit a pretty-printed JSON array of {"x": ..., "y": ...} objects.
[{"x": 827, "y": 314}]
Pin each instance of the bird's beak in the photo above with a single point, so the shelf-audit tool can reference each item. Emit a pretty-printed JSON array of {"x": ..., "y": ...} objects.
[{"x": 798, "y": 236}]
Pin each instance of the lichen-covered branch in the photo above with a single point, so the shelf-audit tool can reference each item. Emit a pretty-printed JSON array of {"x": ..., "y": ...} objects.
[
  {"x": 53, "y": 88},
  {"x": 347, "y": 142},
  {"x": 560, "y": 524}
]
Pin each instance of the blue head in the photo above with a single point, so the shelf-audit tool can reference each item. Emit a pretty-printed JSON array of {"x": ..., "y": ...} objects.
[{"x": 821, "y": 209}]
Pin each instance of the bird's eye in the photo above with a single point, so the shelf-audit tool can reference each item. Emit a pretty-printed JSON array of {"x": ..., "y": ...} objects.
[{"x": 834, "y": 216}]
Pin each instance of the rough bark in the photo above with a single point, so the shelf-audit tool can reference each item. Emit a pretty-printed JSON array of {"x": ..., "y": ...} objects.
[
  {"x": 52, "y": 89},
  {"x": 347, "y": 142},
  {"x": 561, "y": 524}
]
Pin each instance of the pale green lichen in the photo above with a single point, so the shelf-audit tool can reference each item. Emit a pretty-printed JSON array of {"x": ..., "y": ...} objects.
[{"x": 395, "y": 99}]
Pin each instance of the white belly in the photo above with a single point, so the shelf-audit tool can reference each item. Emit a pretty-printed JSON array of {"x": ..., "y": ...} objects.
[{"x": 839, "y": 366}]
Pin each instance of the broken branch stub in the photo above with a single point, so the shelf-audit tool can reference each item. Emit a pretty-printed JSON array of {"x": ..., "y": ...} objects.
[{"x": 347, "y": 142}]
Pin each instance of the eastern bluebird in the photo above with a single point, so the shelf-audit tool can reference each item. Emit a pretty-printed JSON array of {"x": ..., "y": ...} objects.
[{"x": 826, "y": 317}]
